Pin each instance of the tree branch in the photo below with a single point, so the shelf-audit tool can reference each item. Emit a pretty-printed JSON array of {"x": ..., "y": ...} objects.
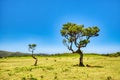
[
  {"x": 70, "y": 48},
  {"x": 75, "y": 41},
  {"x": 29, "y": 49},
  {"x": 87, "y": 38}
]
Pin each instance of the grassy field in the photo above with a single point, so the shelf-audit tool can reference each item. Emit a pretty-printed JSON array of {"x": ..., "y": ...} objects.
[{"x": 60, "y": 68}]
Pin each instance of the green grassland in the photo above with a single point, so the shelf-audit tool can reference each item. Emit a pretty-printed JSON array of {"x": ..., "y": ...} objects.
[{"x": 60, "y": 68}]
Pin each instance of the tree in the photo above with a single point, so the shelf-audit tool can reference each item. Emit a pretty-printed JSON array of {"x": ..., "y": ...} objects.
[
  {"x": 31, "y": 49},
  {"x": 77, "y": 36}
]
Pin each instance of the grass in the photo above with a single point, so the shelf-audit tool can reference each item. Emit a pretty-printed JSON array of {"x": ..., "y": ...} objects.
[{"x": 60, "y": 68}]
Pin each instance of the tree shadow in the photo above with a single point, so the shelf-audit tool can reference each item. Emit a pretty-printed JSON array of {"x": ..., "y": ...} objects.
[
  {"x": 76, "y": 65},
  {"x": 89, "y": 66},
  {"x": 94, "y": 66}
]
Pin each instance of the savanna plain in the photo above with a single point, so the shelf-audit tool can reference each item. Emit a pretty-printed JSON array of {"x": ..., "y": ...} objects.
[{"x": 60, "y": 68}]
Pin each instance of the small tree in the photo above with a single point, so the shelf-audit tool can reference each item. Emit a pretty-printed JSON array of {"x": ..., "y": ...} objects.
[
  {"x": 31, "y": 49},
  {"x": 76, "y": 36}
]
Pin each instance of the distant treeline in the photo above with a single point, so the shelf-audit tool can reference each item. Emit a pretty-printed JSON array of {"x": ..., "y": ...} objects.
[
  {"x": 20, "y": 54},
  {"x": 112, "y": 54},
  {"x": 4, "y": 54},
  {"x": 10, "y": 54}
]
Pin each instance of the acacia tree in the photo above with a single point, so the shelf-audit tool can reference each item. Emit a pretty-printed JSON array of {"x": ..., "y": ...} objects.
[
  {"x": 77, "y": 37},
  {"x": 31, "y": 49}
]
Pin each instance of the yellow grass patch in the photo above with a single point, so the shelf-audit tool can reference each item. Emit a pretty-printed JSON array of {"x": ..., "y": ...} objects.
[{"x": 60, "y": 68}]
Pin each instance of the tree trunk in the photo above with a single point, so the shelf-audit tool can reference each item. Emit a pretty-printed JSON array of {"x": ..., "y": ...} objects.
[
  {"x": 81, "y": 57},
  {"x": 35, "y": 64}
]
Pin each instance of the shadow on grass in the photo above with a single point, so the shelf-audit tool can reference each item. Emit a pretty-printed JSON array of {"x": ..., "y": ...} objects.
[
  {"x": 89, "y": 66},
  {"x": 76, "y": 65}
]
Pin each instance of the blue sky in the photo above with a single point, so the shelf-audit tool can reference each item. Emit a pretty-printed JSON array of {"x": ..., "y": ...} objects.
[{"x": 39, "y": 21}]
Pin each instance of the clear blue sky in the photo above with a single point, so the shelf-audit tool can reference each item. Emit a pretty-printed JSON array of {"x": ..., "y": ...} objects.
[{"x": 39, "y": 21}]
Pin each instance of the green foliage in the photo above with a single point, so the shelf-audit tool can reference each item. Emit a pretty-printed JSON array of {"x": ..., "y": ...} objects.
[
  {"x": 77, "y": 35},
  {"x": 55, "y": 78},
  {"x": 32, "y": 47},
  {"x": 65, "y": 70},
  {"x": 17, "y": 69},
  {"x": 91, "y": 31},
  {"x": 71, "y": 29},
  {"x": 42, "y": 76},
  {"x": 83, "y": 42},
  {"x": 49, "y": 68},
  {"x": 109, "y": 78},
  {"x": 11, "y": 73},
  {"x": 29, "y": 77}
]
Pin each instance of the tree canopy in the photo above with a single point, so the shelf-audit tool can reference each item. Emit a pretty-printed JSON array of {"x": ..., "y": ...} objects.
[
  {"x": 32, "y": 47},
  {"x": 77, "y": 35}
]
